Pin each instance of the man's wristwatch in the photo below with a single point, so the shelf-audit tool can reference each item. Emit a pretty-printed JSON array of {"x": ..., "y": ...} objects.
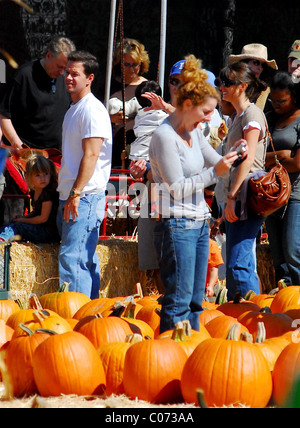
[{"x": 74, "y": 194}]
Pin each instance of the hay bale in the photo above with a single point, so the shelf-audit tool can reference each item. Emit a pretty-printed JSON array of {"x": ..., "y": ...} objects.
[{"x": 34, "y": 268}]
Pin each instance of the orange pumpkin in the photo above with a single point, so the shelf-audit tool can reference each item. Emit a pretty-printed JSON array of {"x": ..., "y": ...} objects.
[
  {"x": 101, "y": 330},
  {"x": 151, "y": 315},
  {"x": 153, "y": 369},
  {"x": 286, "y": 296},
  {"x": 46, "y": 320},
  {"x": 64, "y": 302},
  {"x": 237, "y": 307},
  {"x": 219, "y": 327},
  {"x": 7, "y": 307},
  {"x": 230, "y": 372},
  {"x": 112, "y": 355},
  {"x": 209, "y": 314},
  {"x": 275, "y": 324},
  {"x": 6, "y": 333},
  {"x": 187, "y": 338},
  {"x": 271, "y": 348},
  {"x": 93, "y": 307},
  {"x": 286, "y": 371},
  {"x": 262, "y": 300},
  {"x": 68, "y": 364},
  {"x": 19, "y": 362}
]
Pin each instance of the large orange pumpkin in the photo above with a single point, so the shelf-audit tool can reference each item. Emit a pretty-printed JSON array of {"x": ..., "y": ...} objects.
[
  {"x": 101, "y": 330},
  {"x": 219, "y": 327},
  {"x": 46, "y": 320},
  {"x": 229, "y": 372},
  {"x": 19, "y": 362},
  {"x": 68, "y": 364},
  {"x": 286, "y": 371},
  {"x": 64, "y": 302},
  {"x": 286, "y": 296},
  {"x": 275, "y": 324},
  {"x": 153, "y": 369},
  {"x": 93, "y": 307},
  {"x": 237, "y": 307}
]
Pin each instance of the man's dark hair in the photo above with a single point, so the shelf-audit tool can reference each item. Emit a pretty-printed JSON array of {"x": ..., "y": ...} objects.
[
  {"x": 89, "y": 61},
  {"x": 147, "y": 86}
]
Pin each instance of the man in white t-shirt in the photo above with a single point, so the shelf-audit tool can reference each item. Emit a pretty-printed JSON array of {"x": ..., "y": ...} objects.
[{"x": 83, "y": 177}]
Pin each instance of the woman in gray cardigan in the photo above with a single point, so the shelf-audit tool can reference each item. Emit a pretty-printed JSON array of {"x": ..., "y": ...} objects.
[{"x": 183, "y": 163}]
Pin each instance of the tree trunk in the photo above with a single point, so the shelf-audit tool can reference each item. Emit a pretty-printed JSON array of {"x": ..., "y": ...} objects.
[
  {"x": 229, "y": 16},
  {"x": 47, "y": 20}
]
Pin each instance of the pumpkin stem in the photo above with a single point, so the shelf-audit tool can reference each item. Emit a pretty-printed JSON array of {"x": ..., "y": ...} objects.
[
  {"x": 40, "y": 316},
  {"x": 139, "y": 290},
  {"x": 64, "y": 287},
  {"x": 261, "y": 333},
  {"x": 118, "y": 309},
  {"x": 265, "y": 310},
  {"x": 35, "y": 303},
  {"x": 249, "y": 295},
  {"x": 234, "y": 332},
  {"x": 281, "y": 284},
  {"x": 133, "y": 338},
  {"x": 178, "y": 332},
  {"x": 158, "y": 311},
  {"x": 19, "y": 303},
  {"x": 26, "y": 329},
  {"x": 200, "y": 399},
  {"x": 246, "y": 337},
  {"x": 222, "y": 296},
  {"x": 130, "y": 309}
]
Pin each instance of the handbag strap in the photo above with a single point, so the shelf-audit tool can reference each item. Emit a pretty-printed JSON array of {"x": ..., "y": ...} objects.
[{"x": 272, "y": 144}]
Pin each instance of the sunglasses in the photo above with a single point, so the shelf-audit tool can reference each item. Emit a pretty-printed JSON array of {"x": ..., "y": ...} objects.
[
  {"x": 226, "y": 82},
  {"x": 133, "y": 65},
  {"x": 173, "y": 81}
]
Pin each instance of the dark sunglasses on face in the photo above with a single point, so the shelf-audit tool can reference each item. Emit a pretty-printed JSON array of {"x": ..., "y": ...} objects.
[
  {"x": 128, "y": 65},
  {"x": 173, "y": 81},
  {"x": 226, "y": 82}
]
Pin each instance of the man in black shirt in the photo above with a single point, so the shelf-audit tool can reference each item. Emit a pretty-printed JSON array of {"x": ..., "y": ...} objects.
[{"x": 35, "y": 101}]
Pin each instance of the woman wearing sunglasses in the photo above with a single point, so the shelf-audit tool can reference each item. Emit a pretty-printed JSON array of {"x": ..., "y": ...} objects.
[
  {"x": 238, "y": 85},
  {"x": 136, "y": 64},
  {"x": 183, "y": 164},
  {"x": 256, "y": 56}
]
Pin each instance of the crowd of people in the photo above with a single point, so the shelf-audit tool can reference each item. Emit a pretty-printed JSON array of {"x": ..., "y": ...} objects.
[{"x": 187, "y": 151}]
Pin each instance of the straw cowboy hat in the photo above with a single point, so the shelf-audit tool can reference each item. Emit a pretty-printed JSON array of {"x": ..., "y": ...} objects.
[{"x": 254, "y": 51}]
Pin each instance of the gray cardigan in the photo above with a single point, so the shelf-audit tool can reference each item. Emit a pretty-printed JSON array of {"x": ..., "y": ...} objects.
[{"x": 181, "y": 173}]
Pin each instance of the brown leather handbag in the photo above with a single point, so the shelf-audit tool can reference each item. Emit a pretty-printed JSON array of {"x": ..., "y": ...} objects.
[{"x": 271, "y": 191}]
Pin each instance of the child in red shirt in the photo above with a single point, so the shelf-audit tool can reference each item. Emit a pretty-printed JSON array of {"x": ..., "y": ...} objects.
[{"x": 215, "y": 259}]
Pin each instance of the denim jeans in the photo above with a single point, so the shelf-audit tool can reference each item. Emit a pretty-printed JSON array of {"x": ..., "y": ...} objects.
[
  {"x": 182, "y": 247},
  {"x": 283, "y": 229},
  {"x": 241, "y": 273},
  {"x": 78, "y": 261},
  {"x": 36, "y": 233}
]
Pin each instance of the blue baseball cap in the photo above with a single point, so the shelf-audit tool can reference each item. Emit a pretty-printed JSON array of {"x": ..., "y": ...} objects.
[
  {"x": 211, "y": 78},
  {"x": 177, "y": 67}
]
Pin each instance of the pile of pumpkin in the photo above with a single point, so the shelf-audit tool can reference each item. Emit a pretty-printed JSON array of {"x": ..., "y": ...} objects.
[{"x": 246, "y": 353}]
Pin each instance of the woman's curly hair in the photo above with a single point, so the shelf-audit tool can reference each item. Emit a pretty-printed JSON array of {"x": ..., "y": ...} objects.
[
  {"x": 194, "y": 85},
  {"x": 137, "y": 52}
]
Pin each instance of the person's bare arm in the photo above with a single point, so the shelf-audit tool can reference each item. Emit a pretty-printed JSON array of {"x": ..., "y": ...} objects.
[
  {"x": 91, "y": 151},
  {"x": 10, "y": 133}
]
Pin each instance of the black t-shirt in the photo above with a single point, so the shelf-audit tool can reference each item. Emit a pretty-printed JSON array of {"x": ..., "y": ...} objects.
[{"x": 36, "y": 106}]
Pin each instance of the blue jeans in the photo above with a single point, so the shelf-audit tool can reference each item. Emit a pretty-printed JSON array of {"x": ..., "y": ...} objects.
[
  {"x": 283, "y": 232},
  {"x": 78, "y": 261},
  {"x": 182, "y": 247},
  {"x": 37, "y": 233},
  {"x": 241, "y": 273}
]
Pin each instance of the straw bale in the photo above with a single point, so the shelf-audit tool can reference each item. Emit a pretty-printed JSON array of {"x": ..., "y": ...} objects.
[{"x": 34, "y": 268}]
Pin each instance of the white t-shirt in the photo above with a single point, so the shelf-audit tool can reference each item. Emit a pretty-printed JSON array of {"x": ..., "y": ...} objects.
[{"x": 86, "y": 119}]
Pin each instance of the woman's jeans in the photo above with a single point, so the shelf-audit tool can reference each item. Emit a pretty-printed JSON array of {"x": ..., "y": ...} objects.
[
  {"x": 283, "y": 229},
  {"x": 241, "y": 275},
  {"x": 182, "y": 247},
  {"x": 37, "y": 233},
  {"x": 78, "y": 261}
]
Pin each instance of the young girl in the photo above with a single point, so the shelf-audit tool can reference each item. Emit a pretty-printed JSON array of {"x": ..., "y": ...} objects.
[{"x": 40, "y": 224}]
